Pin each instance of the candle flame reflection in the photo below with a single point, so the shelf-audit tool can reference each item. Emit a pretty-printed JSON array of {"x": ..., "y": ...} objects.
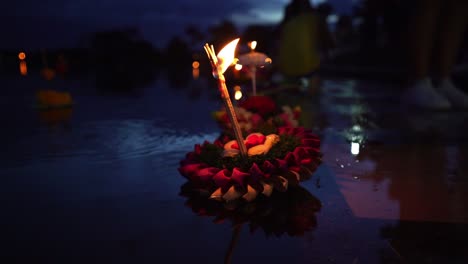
[
  {"x": 23, "y": 68},
  {"x": 354, "y": 148}
]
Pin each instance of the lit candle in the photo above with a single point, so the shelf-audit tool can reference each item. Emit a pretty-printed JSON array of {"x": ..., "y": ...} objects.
[
  {"x": 253, "y": 68},
  {"x": 220, "y": 63}
]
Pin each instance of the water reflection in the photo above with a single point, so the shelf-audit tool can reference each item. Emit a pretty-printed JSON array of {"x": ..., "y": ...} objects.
[
  {"x": 117, "y": 157},
  {"x": 292, "y": 212},
  {"x": 56, "y": 117}
]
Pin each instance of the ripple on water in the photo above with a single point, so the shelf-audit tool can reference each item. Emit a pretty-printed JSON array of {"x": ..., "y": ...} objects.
[{"x": 105, "y": 141}]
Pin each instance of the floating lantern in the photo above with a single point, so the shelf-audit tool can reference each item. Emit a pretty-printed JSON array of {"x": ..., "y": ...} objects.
[{"x": 254, "y": 59}]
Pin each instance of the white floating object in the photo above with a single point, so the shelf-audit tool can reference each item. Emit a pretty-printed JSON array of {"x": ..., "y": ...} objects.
[{"x": 270, "y": 141}]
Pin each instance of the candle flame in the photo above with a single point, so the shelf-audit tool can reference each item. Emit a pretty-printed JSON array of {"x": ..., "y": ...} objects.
[
  {"x": 238, "y": 95},
  {"x": 253, "y": 44},
  {"x": 226, "y": 55}
]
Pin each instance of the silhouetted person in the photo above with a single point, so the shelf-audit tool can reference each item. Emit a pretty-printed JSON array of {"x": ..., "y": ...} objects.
[
  {"x": 301, "y": 39},
  {"x": 436, "y": 31}
]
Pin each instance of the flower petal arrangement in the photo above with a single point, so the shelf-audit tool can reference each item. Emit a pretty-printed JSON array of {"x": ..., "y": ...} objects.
[
  {"x": 274, "y": 162},
  {"x": 259, "y": 113}
]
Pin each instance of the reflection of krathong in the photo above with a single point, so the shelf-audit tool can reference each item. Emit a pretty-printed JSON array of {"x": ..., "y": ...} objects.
[
  {"x": 291, "y": 212},
  {"x": 49, "y": 99},
  {"x": 232, "y": 169}
]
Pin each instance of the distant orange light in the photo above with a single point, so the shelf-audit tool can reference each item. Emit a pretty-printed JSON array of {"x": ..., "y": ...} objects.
[
  {"x": 23, "y": 68},
  {"x": 195, "y": 73},
  {"x": 195, "y": 64},
  {"x": 238, "y": 67},
  {"x": 21, "y": 55}
]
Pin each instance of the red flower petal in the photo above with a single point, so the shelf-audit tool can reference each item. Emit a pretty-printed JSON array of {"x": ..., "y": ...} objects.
[
  {"x": 256, "y": 173},
  {"x": 206, "y": 173},
  {"x": 190, "y": 169},
  {"x": 222, "y": 178},
  {"x": 239, "y": 176},
  {"x": 254, "y": 140}
]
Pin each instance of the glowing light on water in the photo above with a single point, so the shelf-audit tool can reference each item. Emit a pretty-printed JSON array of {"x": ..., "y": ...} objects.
[
  {"x": 354, "y": 148},
  {"x": 237, "y": 93},
  {"x": 195, "y": 73},
  {"x": 23, "y": 68},
  {"x": 21, "y": 55},
  {"x": 195, "y": 70}
]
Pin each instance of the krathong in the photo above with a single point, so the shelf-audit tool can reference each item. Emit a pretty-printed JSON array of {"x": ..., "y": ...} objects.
[
  {"x": 291, "y": 156},
  {"x": 236, "y": 169}
]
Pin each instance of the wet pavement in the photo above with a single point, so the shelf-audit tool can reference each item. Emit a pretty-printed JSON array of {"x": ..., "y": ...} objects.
[{"x": 99, "y": 183}]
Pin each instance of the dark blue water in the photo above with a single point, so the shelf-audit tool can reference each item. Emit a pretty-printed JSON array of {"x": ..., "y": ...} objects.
[{"x": 99, "y": 183}]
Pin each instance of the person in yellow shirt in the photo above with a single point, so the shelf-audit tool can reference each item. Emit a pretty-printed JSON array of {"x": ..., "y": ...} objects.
[{"x": 302, "y": 33}]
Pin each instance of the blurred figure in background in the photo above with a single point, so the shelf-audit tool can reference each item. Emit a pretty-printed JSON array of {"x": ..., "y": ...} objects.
[
  {"x": 436, "y": 32},
  {"x": 302, "y": 37},
  {"x": 61, "y": 65}
]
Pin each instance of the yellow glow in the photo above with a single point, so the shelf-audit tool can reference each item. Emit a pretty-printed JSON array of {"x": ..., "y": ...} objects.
[
  {"x": 21, "y": 55},
  {"x": 354, "y": 148},
  {"x": 195, "y": 64},
  {"x": 23, "y": 68},
  {"x": 268, "y": 60},
  {"x": 238, "y": 67},
  {"x": 238, "y": 95},
  {"x": 253, "y": 44},
  {"x": 226, "y": 55}
]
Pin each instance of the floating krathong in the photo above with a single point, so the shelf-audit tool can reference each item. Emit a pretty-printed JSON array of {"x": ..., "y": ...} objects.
[
  {"x": 233, "y": 168},
  {"x": 274, "y": 162}
]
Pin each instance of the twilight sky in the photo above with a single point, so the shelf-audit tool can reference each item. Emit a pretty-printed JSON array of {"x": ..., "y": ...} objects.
[{"x": 33, "y": 24}]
